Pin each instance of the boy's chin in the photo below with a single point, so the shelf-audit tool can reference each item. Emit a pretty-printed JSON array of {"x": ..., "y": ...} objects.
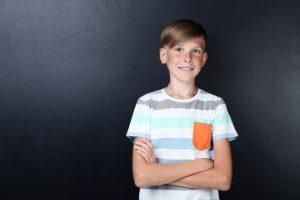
[{"x": 186, "y": 80}]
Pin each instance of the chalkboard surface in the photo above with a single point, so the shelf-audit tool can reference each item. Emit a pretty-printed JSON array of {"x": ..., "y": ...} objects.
[{"x": 71, "y": 72}]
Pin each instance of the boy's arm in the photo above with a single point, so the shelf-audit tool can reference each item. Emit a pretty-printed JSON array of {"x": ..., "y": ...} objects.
[
  {"x": 151, "y": 173},
  {"x": 219, "y": 177}
]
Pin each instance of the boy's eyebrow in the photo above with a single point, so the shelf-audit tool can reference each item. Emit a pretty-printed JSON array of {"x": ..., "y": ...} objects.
[{"x": 196, "y": 47}]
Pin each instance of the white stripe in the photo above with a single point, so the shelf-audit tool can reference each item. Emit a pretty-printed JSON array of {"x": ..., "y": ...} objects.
[
  {"x": 223, "y": 128},
  {"x": 135, "y": 127},
  {"x": 141, "y": 108},
  {"x": 172, "y": 133},
  {"x": 181, "y": 154},
  {"x": 182, "y": 112},
  {"x": 148, "y": 194},
  {"x": 221, "y": 109},
  {"x": 205, "y": 194}
]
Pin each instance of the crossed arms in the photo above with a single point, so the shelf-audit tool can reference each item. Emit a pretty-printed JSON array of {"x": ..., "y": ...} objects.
[{"x": 199, "y": 173}]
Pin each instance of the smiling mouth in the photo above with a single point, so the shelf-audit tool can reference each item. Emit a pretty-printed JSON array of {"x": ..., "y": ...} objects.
[{"x": 186, "y": 69}]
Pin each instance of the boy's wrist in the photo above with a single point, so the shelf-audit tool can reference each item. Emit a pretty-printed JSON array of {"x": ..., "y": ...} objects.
[{"x": 205, "y": 164}]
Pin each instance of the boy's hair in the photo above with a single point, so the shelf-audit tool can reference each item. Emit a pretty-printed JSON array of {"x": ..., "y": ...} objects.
[{"x": 180, "y": 31}]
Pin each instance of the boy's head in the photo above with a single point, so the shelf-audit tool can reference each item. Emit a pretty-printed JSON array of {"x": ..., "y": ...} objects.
[
  {"x": 183, "y": 50},
  {"x": 180, "y": 31}
]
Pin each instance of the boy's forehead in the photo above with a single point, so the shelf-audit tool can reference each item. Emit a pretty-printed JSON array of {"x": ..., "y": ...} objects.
[
  {"x": 196, "y": 42},
  {"x": 199, "y": 41}
]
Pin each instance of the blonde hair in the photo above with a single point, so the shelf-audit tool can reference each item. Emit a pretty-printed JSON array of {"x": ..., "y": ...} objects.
[{"x": 180, "y": 31}]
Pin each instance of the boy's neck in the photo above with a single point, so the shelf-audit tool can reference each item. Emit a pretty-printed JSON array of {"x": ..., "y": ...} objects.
[{"x": 181, "y": 91}]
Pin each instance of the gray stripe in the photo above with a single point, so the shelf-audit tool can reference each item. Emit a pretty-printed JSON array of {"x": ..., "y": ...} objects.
[
  {"x": 143, "y": 102},
  {"x": 167, "y": 187},
  {"x": 195, "y": 104}
]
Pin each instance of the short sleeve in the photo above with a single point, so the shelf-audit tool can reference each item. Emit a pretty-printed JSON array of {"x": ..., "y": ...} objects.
[
  {"x": 222, "y": 125},
  {"x": 140, "y": 121}
]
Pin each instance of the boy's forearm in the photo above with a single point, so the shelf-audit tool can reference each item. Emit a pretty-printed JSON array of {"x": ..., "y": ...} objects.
[
  {"x": 158, "y": 174},
  {"x": 219, "y": 177},
  {"x": 213, "y": 178}
]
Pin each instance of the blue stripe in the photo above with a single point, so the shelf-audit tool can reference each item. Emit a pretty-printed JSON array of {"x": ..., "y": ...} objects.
[{"x": 173, "y": 143}]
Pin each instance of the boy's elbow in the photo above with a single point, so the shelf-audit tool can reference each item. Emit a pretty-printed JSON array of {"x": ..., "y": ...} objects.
[
  {"x": 225, "y": 187},
  {"x": 138, "y": 183},
  {"x": 225, "y": 183},
  {"x": 140, "y": 180}
]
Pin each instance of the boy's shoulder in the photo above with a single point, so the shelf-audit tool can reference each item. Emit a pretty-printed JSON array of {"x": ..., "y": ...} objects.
[
  {"x": 151, "y": 95},
  {"x": 209, "y": 96}
]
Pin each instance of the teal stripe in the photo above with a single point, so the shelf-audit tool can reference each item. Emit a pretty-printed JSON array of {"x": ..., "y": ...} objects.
[
  {"x": 140, "y": 118},
  {"x": 222, "y": 119},
  {"x": 178, "y": 122}
]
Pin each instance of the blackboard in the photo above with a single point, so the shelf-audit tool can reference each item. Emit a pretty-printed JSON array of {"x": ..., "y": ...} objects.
[{"x": 71, "y": 72}]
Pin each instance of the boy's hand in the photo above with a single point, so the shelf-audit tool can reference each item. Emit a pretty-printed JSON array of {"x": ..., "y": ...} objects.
[
  {"x": 205, "y": 163},
  {"x": 144, "y": 147}
]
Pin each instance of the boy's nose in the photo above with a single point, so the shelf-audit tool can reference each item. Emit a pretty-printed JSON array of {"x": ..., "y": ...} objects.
[{"x": 187, "y": 59}]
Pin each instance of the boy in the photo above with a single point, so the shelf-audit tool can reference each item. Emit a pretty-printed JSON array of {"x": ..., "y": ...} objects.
[{"x": 181, "y": 133}]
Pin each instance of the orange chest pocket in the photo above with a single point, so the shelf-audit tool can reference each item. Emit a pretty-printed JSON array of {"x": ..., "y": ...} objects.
[{"x": 201, "y": 135}]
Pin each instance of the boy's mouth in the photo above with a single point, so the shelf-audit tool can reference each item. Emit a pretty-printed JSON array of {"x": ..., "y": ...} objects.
[{"x": 186, "y": 69}]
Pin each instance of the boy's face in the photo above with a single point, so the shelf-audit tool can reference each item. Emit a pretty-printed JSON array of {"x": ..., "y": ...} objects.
[{"x": 185, "y": 60}]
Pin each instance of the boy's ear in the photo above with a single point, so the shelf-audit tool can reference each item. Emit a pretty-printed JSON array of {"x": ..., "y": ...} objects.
[
  {"x": 162, "y": 55},
  {"x": 204, "y": 59}
]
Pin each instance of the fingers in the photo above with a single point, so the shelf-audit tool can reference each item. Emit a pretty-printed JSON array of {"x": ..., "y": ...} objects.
[
  {"x": 144, "y": 148},
  {"x": 148, "y": 143},
  {"x": 140, "y": 150},
  {"x": 145, "y": 143}
]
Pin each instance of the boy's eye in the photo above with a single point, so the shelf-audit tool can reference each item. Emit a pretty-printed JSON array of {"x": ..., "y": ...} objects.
[
  {"x": 179, "y": 49},
  {"x": 197, "y": 51}
]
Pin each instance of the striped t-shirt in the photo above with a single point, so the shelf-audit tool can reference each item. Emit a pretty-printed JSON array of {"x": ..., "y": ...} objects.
[{"x": 180, "y": 130}]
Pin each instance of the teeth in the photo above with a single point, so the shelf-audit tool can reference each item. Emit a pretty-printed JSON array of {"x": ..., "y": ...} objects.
[{"x": 185, "y": 68}]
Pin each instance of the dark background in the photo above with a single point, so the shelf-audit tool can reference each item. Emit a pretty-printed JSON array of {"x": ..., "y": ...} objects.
[{"x": 71, "y": 72}]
